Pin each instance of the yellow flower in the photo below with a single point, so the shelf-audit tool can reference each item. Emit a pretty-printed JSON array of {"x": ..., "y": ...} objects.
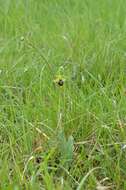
[{"x": 59, "y": 80}]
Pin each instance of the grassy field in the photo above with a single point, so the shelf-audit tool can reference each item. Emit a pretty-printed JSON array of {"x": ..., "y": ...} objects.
[{"x": 65, "y": 137}]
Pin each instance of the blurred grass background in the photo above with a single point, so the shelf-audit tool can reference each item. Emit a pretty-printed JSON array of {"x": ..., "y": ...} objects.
[{"x": 52, "y": 137}]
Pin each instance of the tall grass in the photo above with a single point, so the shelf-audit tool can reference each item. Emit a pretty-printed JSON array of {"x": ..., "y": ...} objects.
[{"x": 69, "y": 137}]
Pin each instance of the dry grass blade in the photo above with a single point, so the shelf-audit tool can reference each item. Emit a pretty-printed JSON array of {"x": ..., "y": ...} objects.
[{"x": 102, "y": 187}]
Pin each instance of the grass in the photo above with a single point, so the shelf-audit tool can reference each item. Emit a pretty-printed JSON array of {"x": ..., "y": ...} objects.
[{"x": 69, "y": 137}]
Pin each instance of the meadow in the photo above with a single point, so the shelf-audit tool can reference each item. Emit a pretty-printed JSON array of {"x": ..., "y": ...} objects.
[{"x": 62, "y": 94}]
